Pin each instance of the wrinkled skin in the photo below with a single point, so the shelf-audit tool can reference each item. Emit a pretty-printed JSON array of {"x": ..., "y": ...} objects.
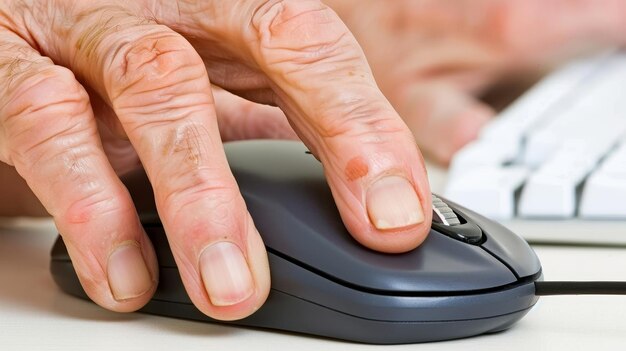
[
  {"x": 91, "y": 89},
  {"x": 83, "y": 80}
]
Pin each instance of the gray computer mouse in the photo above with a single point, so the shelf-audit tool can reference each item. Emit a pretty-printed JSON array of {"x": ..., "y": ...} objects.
[{"x": 471, "y": 275}]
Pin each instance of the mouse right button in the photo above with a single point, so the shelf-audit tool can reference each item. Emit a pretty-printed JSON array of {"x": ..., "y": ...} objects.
[{"x": 504, "y": 244}]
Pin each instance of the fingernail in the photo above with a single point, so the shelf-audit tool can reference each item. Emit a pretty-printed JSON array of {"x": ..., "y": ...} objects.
[
  {"x": 393, "y": 203},
  {"x": 225, "y": 273},
  {"x": 127, "y": 272}
]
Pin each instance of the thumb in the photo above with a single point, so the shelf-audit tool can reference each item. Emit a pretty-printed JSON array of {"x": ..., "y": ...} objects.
[{"x": 442, "y": 118}]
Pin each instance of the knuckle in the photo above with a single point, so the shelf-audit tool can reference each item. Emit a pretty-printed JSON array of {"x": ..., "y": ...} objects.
[
  {"x": 48, "y": 111},
  {"x": 360, "y": 119},
  {"x": 65, "y": 158},
  {"x": 182, "y": 187},
  {"x": 218, "y": 195},
  {"x": 187, "y": 146},
  {"x": 46, "y": 92},
  {"x": 92, "y": 203},
  {"x": 491, "y": 21},
  {"x": 18, "y": 63},
  {"x": 59, "y": 149},
  {"x": 155, "y": 62},
  {"x": 95, "y": 25},
  {"x": 321, "y": 34},
  {"x": 506, "y": 25},
  {"x": 158, "y": 75}
]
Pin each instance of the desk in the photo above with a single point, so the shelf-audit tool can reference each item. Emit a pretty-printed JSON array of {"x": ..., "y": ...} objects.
[{"x": 36, "y": 315}]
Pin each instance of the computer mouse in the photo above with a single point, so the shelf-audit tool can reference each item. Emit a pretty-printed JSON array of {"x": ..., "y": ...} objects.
[{"x": 470, "y": 276}]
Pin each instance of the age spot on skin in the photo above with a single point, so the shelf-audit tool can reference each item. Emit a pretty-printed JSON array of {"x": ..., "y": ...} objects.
[{"x": 356, "y": 168}]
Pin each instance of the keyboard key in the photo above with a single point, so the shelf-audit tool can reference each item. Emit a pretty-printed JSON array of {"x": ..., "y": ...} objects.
[
  {"x": 595, "y": 119},
  {"x": 548, "y": 196},
  {"x": 482, "y": 154},
  {"x": 554, "y": 162},
  {"x": 501, "y": 140},
  {"x": 604, "y": 197},
  {"x": 533, "y": 107},
  {"x": 552, "y": 190},
  {"x": 604, "y": 194},
  {"x": 529, "y": 112},
  {"x": 489, "y": 191},
  {"x": 615, "y": 163}
]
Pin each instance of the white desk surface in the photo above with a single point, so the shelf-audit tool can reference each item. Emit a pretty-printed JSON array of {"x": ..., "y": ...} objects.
[{"x": 36, "y": 315}]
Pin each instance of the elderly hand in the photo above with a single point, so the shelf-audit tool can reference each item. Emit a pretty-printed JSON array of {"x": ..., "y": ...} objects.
[
  {"x": 79, "y": 78},
  {"x": 432, "y": 58}
]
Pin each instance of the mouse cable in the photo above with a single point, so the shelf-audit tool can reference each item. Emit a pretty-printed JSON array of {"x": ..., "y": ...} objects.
[{"x": 543, "y": 288}]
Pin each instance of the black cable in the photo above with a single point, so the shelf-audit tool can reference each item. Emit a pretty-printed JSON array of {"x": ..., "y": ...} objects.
[{"x": 579, "y": 288}]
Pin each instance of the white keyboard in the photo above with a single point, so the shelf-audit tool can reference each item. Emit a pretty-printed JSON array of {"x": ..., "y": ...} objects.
[{"x": 552, "y": 166}]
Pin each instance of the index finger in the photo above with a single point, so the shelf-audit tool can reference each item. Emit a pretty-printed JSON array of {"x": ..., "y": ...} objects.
[{"x": 321, "y": 79}]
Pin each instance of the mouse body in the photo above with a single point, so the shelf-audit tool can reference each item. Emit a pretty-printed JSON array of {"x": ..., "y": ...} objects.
[{"x": 470, "y": 276}]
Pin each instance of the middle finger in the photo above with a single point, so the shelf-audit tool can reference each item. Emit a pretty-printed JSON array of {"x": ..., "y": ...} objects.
[{"x": 158, "y": 87}]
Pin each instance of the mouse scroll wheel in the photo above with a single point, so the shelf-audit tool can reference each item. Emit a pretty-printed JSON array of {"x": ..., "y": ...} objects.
[{"x": 443, "y": 214}]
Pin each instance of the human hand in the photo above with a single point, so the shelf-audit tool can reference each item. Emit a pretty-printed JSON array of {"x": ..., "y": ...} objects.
[
  {"x": 432, "y": 58},
  {"x": 144, "y": 70}
]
